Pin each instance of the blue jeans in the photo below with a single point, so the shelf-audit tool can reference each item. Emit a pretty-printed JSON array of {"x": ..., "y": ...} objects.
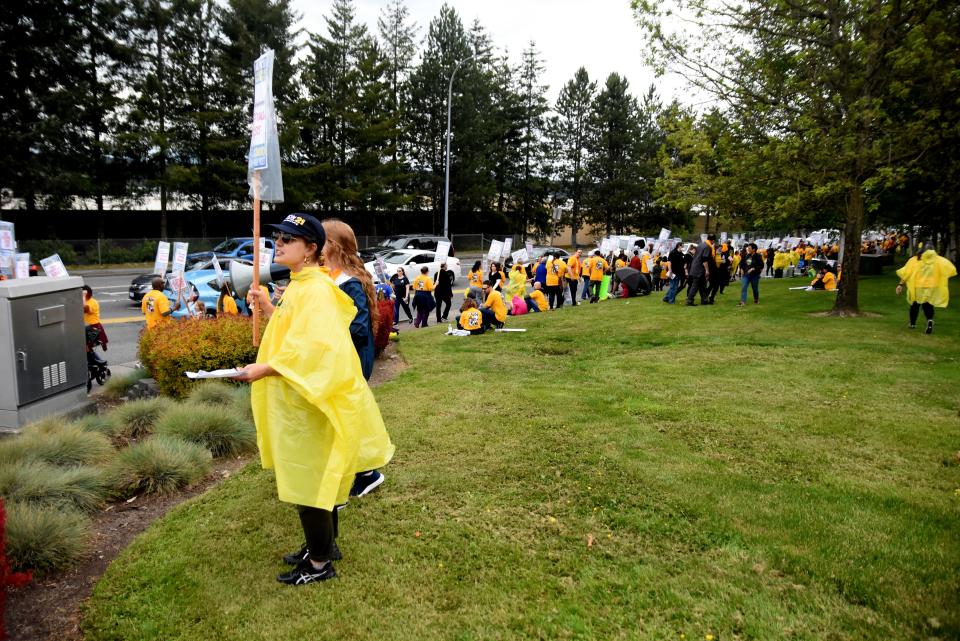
[
  {"x": 750, "y": 281},
  {"x": 586, "y": 288},
  {"x": 672, "y": 292}
]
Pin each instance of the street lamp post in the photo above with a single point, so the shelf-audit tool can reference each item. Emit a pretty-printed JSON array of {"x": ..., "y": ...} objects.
[{"x": 446, "y": 182}]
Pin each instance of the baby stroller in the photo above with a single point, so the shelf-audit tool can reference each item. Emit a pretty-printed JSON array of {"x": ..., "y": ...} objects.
[{"x": 96, "y": 367}]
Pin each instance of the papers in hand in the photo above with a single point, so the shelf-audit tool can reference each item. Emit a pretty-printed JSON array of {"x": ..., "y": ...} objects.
[{"x": 217, "y": 373}]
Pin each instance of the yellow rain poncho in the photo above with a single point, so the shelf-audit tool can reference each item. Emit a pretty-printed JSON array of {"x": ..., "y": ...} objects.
[
  {"x": 781, "y": 260},
  {"x": 926, "y": 279},
  {"x": 318, "y": 423},
  {"x": 518, "y": 284}
]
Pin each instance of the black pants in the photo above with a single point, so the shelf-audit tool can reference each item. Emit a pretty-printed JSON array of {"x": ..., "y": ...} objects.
[
  {"x": 696, "y": 285},
  {"x": 320, "y": 529},
  {"x": 553, "y": 293},
  {"x": 397, "y": 304},
  {"x": 445, "y": 302},
  {"x": 915, "y": 311},
  {"x": 573, "y": 291}
]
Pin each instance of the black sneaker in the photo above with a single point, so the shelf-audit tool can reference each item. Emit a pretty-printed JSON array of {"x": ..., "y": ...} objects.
[
  {"x": 366, "y": 482},
  {"x": 930, "y": 326},
  {"x": 295, "y": 558},
  {"x": 305, "y": 573}
]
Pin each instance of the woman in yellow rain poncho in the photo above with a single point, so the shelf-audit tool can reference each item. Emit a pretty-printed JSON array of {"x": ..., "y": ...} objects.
[
  {"x": 925, "y": 277},
  {"x": 518, "y": 283},
  {"x": 318, "y": 423}
]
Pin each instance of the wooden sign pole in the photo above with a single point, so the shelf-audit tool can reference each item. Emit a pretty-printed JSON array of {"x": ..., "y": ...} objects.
[{"x": 256, "y": 257}]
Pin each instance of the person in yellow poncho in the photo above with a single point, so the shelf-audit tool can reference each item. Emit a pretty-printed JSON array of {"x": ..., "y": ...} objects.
[
  {"x": 317, "y": 421},
  {"x": 925, "y": 277},
  {"x": 518, "y": 282}
]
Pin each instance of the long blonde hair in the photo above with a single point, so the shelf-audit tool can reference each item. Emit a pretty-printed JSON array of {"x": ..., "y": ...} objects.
[{"x": 343, "y": 245}]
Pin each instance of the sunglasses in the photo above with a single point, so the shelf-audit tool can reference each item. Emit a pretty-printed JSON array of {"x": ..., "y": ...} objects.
[{"x": 285, "y": 238}]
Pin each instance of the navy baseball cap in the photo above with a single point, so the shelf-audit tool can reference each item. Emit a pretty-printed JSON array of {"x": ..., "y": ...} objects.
[{"x": 303, "y": 225}]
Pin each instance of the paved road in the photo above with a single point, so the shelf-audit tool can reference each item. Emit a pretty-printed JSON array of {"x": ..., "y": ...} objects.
[{"x": 123, "y": 321}]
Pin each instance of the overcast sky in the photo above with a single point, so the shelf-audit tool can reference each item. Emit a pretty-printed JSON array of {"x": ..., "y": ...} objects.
[{"x": 600, "y": 35}]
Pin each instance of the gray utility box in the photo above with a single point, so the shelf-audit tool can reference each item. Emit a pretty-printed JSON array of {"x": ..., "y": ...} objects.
[{"x": 43, "y": 361}]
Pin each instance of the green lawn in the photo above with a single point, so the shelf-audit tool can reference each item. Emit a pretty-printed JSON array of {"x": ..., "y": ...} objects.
[{"x": 628, "y": 470}]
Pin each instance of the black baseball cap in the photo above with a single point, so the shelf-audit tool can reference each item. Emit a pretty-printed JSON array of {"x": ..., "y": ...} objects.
[{"x": 303, "y": 225}]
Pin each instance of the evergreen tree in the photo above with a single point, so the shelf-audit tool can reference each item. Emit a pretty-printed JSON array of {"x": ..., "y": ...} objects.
[
  {"x": 568, "y": 134},
  {"x": 397, "y": 37},
  {"x": 532, "y": 185}
]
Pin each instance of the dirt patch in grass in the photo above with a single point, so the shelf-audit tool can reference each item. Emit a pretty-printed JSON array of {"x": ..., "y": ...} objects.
[{"x": 48, "y": 608}]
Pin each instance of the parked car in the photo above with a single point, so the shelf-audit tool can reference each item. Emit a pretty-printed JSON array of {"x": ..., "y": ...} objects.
[
  {"x": 406, "y": 241},
  {"x": 541, "y": 250},
  {"x": 412, "y": 260},
  {"x": 230, "y": 248},
  {"x": 203, "y": 281},
  {"x": 142, "y": 283}
]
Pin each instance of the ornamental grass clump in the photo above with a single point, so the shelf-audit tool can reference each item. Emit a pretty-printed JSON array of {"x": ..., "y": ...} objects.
[
  {"x": 99, "y": 423},
  {"x": 241, "y": 403},
  {"x": 136, "y": 419},
  {"x": 158, "y": 465},
  {"x": 212, "y": 393},
  {"x": 44, "y": 538},
  {"x": 118, "y": 386},
  {"x": 64, "y": 445},
  {"x": 82, "y": 488},
  {"x": 217, "y": 428}
]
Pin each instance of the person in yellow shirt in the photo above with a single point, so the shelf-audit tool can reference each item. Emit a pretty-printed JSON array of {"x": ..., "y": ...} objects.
[
  {"x": 470, "y": 318},
  {"x": 556, "y": 270},
  {"x": 494, "y": 310},
  {"x": 91, "y": 317},
  {"x": 536, "y": 301},
  {"x": 155, "y": 306},
  {"x": 423, "y": 302},
  {"x": 475, "y": 279},
  {"x": 825, "y": 280},
  {"x": 226, "y": 305},
  {"x": 598, "y": 266},
  {"x": 925, "y": 277},
  {"x": 573, "y": 275}
]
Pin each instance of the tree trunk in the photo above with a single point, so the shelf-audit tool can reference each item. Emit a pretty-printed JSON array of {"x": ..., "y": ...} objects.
[{"x": 847, "y": 291}]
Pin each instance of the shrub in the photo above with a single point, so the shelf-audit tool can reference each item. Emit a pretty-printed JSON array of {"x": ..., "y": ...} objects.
[
  {"x": 135, "y": 419},
  {"x": 220, "y": 431},
  {"x": 47, "y": 247},
  {"x": 58, "y": 445},
  {"x": 118, "y": 386},
  {"x": 241, "y": 403},
  {"x": 44, "y": 538},
  {"x": 99, "y": 423},
  {"x": 159, "y": 465},
  {"x": 170, "y": 349},
  {"x": 83, "y": 488},
  {"x": 212, "y": 392},
  {"x": 385, "y": 326}
]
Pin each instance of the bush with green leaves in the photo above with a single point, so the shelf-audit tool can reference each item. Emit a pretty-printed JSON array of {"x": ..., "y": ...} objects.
[
  {"x": 158, "y": 465},
  {"x": 82, "y": 487},
  {"x": 212, "y": 392},
  {"x": 44, "y": 538},
  {"x": 136, "y": 419},
  {"x": 170, "y": 349},
  {"x": 45, "y": 247},
  {"x": 118, "y": 386},
  {"x": 218, "y": 429},
  {"x": 63, "y": 445}
]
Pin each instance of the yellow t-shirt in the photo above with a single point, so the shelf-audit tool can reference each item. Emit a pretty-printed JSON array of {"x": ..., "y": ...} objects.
[
  {"x": 154, "y": 305},
  {"x": 495, "y": 303},
  {"x": 475, "y": 279},
  {"x": 810, "y": 253},
  {"x": 422, "y": 283},
  {"x": 93, "y": 316},
  {"x": 597, "y": 268},
  {"x": 573, "y": 268},
  {"x": 829, "y": 282},
  {"x": 541, "y": 300},
  {"x": 555, "y": 270},
  {"x": 620, "y": 263},
  {"x": 471, "y": 319},
  {"x": 229, "y": 306}
]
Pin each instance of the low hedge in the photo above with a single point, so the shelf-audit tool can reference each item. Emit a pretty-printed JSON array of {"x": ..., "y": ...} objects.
[{"x": 170, "y": 349}]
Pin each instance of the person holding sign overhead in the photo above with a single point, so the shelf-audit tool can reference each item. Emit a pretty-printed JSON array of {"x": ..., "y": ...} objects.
[{"x": 317, "y": 421}]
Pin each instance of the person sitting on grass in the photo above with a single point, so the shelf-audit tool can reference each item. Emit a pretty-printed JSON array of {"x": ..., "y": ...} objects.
[
  {"x": 825, "y": 280},
  {"x": 471, "y": 319},
  {"x": 494, "y": 310},
  {"x": 536, "y": 301}
]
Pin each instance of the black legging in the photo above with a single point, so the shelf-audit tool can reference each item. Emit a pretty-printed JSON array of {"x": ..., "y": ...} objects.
[
  {"x": 397, "y": 304},
  {"x": 915, "y": 311},
  {"x": 320, "y": 529},
  {"x": 445, "y": 301}
]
